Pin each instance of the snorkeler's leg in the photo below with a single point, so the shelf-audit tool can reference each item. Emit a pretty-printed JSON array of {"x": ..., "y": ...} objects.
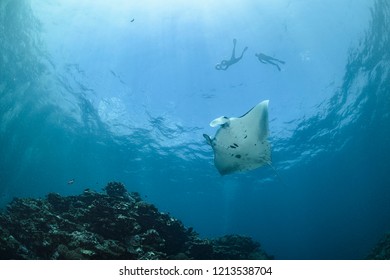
[
  {"x": 242, "y": 54},
  {"x": 244, "y": 50},
  {"x": 234, "y": 49}
]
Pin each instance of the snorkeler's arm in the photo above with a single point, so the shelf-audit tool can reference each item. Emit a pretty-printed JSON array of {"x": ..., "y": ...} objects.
[
  {"x": 223, "y": 65},
  {"x": 270, "y": 58},
  {"x": 260, "y": 57}
]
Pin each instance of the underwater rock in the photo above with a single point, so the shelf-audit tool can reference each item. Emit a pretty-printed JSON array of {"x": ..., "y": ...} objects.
[
  {"x": 382, "y": 250},
  {"x": 111, "y": 225},
  {"x": 236, "y": 247},
  {"x": 115, "y": 189},
  {"x": 201, "y": 250}
]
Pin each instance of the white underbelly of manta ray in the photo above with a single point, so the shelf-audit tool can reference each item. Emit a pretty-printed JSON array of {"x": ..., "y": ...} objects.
[{"x": 241, "y": 144}]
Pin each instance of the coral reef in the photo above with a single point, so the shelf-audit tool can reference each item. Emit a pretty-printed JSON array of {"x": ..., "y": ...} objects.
[
  {"x": 382, "y": 250},
  {"x": 111, "y": 225}
]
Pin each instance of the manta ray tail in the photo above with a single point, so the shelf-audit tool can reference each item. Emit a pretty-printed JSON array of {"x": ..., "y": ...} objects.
[{"x": 277, "y": 174}]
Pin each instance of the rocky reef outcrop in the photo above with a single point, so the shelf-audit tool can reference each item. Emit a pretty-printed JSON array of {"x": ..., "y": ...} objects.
[
  {"x": 115, "y": 224},
  {"x": 382, "y": 249}
]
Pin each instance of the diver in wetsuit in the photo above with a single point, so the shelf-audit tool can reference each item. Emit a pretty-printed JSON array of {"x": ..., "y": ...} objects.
[
  {"x": 224, "y": 65},
  {"x": 269, "y": 60}
]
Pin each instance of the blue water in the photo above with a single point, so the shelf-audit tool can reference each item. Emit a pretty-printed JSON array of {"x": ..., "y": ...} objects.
[{"x": 87, "y": 93}]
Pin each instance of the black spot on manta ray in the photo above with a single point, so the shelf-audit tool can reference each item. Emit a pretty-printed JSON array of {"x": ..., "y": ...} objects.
[
  {"x": 238, "y": 156},
  {"x": 231, "y": 146},
  {"x": 235, "y": 144},
  {"x": 245, "y": 136}
]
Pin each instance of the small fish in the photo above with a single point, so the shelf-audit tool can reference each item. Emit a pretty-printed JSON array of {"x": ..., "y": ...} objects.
[
  {"x": 132, "y": 20},
  {"x": 71, "y": 181}
]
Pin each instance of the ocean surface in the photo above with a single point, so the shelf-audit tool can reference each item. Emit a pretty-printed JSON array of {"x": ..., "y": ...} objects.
[{"x": 100, "y": 91}]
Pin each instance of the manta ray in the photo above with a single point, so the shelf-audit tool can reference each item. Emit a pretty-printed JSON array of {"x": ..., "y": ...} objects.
[{"x": 241, "y": 144}]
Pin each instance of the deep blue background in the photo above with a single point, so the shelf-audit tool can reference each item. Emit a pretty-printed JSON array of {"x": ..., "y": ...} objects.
[{"x": 86, "y": 93}]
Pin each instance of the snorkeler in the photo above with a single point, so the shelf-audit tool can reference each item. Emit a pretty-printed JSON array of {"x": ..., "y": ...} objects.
[
  {"x": 224, "y": 65},
  {"x": 269, "y": 59}
]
